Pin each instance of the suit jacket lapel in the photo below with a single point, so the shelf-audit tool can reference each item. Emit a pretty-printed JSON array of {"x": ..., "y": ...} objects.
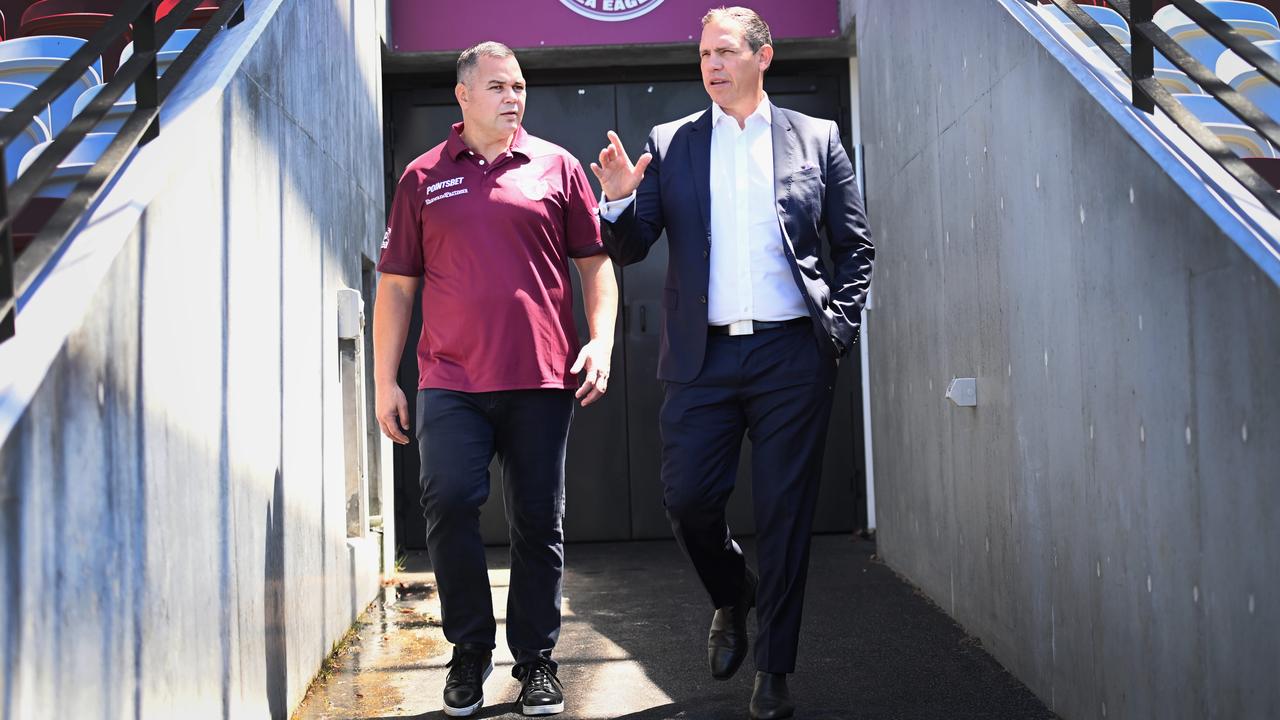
[
  {"x": 786, "y": 148},
  {"x": 700, "y": 156}
]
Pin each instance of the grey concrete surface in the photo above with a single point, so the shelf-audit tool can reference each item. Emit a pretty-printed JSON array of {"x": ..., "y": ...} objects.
[
  {"x": 633, "y": 647},
  {"x": 1105, "y": 519},
  {"x": 172, "y": 500}
]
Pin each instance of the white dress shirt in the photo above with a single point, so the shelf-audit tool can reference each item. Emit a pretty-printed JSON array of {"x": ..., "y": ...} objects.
[{"x": 750, "y": 275}]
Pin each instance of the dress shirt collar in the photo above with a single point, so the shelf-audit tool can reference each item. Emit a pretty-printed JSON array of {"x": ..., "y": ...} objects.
[{"x": 762, "y": 111}]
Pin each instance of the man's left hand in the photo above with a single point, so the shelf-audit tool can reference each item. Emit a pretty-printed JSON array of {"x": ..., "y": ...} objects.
[{"x": 594, "y": 360}]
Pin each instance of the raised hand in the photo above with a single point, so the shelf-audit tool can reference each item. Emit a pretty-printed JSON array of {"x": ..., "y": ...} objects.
[{"x": 618, "y": 177}]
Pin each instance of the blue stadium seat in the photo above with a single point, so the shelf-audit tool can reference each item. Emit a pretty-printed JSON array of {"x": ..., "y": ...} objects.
[
  {"x": 1109, "y": 19},
  {"x": 73, "y": 168},
  {"x": 173, "y": 47},
  {"x": 116, "y": 116},
  {"x": 12, "y": 93},
  {"x": 1253, "y": 21},
  {"x": 1242, "y": 139},
  {"x": 30, "y": 60},
  {"x": 36, "y": 135},
  {"x": 1242, "y": 76}
]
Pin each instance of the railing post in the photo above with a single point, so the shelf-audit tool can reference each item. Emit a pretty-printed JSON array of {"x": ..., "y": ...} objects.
[
  {"x": 147, "y": 87},
  {"x": 7, "y": 323},
  {"x": 1142, "y": 55}
]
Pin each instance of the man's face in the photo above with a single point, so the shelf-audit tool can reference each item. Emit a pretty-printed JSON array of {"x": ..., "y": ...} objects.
[
  {"x": 492, "y": 99},
  {"x": 731, "y": 72}
]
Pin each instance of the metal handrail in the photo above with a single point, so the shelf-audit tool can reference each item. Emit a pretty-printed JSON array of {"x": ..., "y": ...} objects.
[
  {"x": 1148, "y": 93},
  {"x": 142, "y": 125}
]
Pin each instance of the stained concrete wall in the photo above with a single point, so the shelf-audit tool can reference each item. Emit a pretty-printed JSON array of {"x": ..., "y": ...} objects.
[
  {"x": 1107, "y": 519},
  {"x": 172, "y": 499}
]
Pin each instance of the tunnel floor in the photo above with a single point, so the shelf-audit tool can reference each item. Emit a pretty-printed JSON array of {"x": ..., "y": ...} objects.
[{"x": 633, "y": 647}]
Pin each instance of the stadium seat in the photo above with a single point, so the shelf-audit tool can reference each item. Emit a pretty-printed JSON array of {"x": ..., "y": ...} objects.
[
  {"x": 1109, "y": 19},
  {"x": 1268, "y": 168},
  {"x": 11, "y": 93},
  {"x": 1251, "y": 20},
  {"x": 196, "y": 19},
  {"x": 75, "y": 18},
  {"x": 173, "y": 47},
  {"x": 116, "y": 116},
  {"x": 35, "y": 135},
  {"x": 73, "y": 168},
  {"x": 1242, "y": 139},
  {"x": 30, "y": 60},
  {"x": 1242, "y": 76},
  {"x": 12, "y": 11},
  {"x": 31, "y": 219}
]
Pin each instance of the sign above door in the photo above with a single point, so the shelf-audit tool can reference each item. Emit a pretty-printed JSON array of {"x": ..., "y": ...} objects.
[
  {"x": 611, "y": 10},
  {"x": 421, "y": 26}
]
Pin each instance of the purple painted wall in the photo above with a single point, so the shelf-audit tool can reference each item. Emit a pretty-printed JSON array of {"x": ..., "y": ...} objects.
[{"x": 433, "y": 25}]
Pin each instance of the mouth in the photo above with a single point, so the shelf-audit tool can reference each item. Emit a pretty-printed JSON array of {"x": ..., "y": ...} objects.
[{"x": 717, "y": 83}]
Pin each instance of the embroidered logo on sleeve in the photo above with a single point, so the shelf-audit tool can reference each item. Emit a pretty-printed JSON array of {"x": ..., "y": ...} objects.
[
  {"x": 442, "y": 185},
  {"x": 386, "y": 238}
]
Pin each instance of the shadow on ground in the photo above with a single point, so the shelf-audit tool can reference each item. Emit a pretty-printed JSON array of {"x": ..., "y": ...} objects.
[{"x": 633, "y": 648}]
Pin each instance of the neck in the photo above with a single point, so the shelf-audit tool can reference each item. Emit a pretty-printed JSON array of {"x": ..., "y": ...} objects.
[
  {"x": 742, "y": 110},
  {"x": 487, "y": 146}
]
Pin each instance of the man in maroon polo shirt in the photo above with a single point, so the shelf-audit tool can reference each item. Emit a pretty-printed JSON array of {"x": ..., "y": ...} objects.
[{"x": 486, "y": 223}]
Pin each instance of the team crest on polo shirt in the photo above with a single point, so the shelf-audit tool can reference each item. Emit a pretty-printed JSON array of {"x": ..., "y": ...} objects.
[
  {"x": 611, "y": 10},
  {"x": 533, "y": 188},
  {"x": 386, "y": 238}
]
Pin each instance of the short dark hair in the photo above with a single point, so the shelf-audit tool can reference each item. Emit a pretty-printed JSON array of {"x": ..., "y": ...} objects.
[
  {"x": 754, "y": 28},
  {"x": 470, "y": 57}
]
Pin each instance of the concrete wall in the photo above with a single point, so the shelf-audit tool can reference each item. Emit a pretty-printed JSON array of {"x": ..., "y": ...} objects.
[
  {"x": 172, "y": 499},
  {"x": 1107, "y": 519}
]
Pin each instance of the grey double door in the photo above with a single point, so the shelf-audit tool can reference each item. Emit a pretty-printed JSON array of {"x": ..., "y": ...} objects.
[{"x": 613, "y": 489}]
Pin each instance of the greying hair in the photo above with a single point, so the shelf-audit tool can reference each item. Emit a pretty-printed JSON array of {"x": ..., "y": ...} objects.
[
  {"x": 754, "y": 29},
  {"x": 470, "y": 57}
]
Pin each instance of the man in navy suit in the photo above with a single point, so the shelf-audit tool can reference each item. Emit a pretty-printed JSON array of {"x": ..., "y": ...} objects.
[{"x": 754, "y": 325}]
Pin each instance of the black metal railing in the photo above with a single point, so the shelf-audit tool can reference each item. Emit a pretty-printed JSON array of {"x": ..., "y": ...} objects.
[
  {"x": 17, "y": 275},
  {"x": 1148, "y": 94}
]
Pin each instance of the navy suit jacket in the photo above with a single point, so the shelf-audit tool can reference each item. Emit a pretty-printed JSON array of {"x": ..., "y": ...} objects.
[{"x": 815, "y": 190}]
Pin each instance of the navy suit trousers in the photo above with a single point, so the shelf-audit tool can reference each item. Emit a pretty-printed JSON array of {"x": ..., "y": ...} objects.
[
  {"x": 775, "y": 386},
  {"x": 458, "y": 435}
]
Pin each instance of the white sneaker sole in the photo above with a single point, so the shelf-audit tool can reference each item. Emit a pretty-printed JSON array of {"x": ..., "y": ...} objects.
[
  {"x": 542, "y": 709},
  {"x": 468, "y": 711}
]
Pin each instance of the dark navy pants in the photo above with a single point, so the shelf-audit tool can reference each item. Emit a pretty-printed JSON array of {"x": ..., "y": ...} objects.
[
  {"x": 458, "y": 435},
  {"x": 776, "y": 386}
]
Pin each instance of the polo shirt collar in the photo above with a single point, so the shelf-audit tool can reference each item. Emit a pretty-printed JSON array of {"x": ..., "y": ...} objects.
[
  {"x": 455, "y": 147},
  {"x": 762, "y": 111}
]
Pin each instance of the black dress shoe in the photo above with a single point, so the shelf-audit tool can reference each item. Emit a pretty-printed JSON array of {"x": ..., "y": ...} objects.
[
  {"x": 540, "y": 691},
  {"x": 727, "y": 642},
  {"x": 771, "y": 699},
  {"x": 464, "y": 688}
]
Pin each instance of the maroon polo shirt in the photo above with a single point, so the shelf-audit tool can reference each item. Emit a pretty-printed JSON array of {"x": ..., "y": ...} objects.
[{"x": 493, "y": 242}]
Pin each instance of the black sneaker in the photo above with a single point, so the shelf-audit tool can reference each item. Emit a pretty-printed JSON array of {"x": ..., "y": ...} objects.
[
  {"x": 541, "y": 692},
  {"x": 464, "y": 688}
]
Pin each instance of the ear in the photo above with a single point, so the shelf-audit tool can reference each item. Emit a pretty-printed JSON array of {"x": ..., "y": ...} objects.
[
  {"x": 766, "y": 57},
  {"x": 460, "y": 92}
]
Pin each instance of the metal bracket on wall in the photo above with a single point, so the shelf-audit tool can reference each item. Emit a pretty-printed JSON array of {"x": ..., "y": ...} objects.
[{"x": 963, "y": 392}]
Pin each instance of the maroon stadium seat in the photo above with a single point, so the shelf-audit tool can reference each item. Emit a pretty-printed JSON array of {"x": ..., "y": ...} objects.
[
  {"x": 12, "y": 10},
  {"x": 1268, "y": 168},
  {"x": 75, "y": 18},
  {"x": 196, "y": 19},
  {"x": 31, "y": 220}
]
